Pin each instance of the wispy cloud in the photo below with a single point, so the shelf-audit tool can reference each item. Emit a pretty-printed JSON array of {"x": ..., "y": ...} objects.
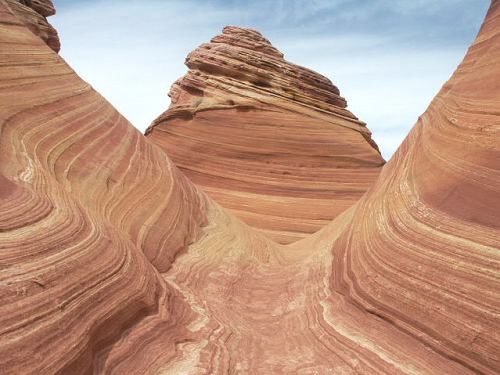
[{"x": 388, "y": 57}]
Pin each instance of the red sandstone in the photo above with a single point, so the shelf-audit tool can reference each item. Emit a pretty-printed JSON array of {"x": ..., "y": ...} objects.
[{"x": 113, "y": 261}]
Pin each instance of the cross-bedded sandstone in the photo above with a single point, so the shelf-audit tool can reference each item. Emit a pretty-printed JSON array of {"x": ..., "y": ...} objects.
[
  {"x": 113, "y": 262},
  {"x": 269, "y": 140}
]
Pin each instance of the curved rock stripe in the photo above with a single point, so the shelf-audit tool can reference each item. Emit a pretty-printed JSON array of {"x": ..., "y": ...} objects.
[
  {"x": 90, "y": 213},
  {"x": 95, "y": 276},
  {"x": 423, "y": 248},
  {"x": 269, "y": 140}
]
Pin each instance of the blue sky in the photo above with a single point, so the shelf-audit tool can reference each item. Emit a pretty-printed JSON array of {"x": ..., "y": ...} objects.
[{"x": 388, "y": 57}]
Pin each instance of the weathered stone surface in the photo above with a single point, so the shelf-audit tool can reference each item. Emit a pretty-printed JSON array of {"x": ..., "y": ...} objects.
[
  {"x": 113, "y": 262},
  {"x": 267, "y": 139},
  {"x": 90, "y": 213},
  {"x": 44, "y": 7},
  {"x": 33, "y": 14},
  {"x": 423, "y": 248}
]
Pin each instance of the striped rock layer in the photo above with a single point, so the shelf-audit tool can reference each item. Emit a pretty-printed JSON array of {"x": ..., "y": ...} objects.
[
  {"x": 269, "y": 140},
  {"x": 34, "y": 13},
  {"x": 422, "y": 250},
  {"x": 113, "y": 262},
  {"x": 90, "y": 214}
]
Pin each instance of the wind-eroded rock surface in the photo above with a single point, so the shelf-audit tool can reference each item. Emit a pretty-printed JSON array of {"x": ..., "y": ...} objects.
[
  {"x": 269, "y": 140},
  {"x": 113, "y": 262},
  {"x": 33, "y": 14},
  {"x": 90, "y": 214}
]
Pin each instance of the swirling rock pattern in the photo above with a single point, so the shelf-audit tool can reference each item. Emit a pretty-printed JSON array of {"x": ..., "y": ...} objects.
[
  {"x": 269, "y": 140},
  {"x": 90, "y": 213},
  {"x": 33, "y": 13},
  {"x": 113, "y": 262},
  {"x": 423, "y": 248}
]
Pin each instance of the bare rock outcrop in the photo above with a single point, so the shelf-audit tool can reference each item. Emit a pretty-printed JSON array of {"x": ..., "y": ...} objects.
[
  {"x": 34, "y": 13},
  {"x": 269, "y": 140},
  {"x": 112, "y": 261},
  {"x": 422, "y": 250},
  {"x": 90, "y": 214}
]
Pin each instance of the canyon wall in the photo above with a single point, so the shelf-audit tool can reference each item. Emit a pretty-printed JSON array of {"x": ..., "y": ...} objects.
[
  {"x": 113, "y": 261},
  {"x": 90, "y": 214},
  {"x": 423, "y": 248}
]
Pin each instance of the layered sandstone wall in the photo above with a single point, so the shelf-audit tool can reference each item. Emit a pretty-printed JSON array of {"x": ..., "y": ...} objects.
[
  {"x": 269, "y": 140},
  {"x": 90, "y": 213},
  {"x": 113, "y": 262},
  {"x": 423, "y": 248},
  {"x": 34, "y": 13}
]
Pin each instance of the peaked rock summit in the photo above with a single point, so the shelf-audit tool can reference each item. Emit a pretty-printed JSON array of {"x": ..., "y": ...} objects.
[
  {"x": 33, "y": 14},
  {"x": 269, "y": 140}
]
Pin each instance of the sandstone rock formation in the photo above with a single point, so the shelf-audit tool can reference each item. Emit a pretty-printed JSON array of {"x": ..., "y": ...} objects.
[
  {"x": 269, "y": 140},
  {"x": 422, "y": 250},
  {"x": 90, "y": 214},
  {"x": 33, "y": 14},
  {"x": 113, "y": 262}
]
